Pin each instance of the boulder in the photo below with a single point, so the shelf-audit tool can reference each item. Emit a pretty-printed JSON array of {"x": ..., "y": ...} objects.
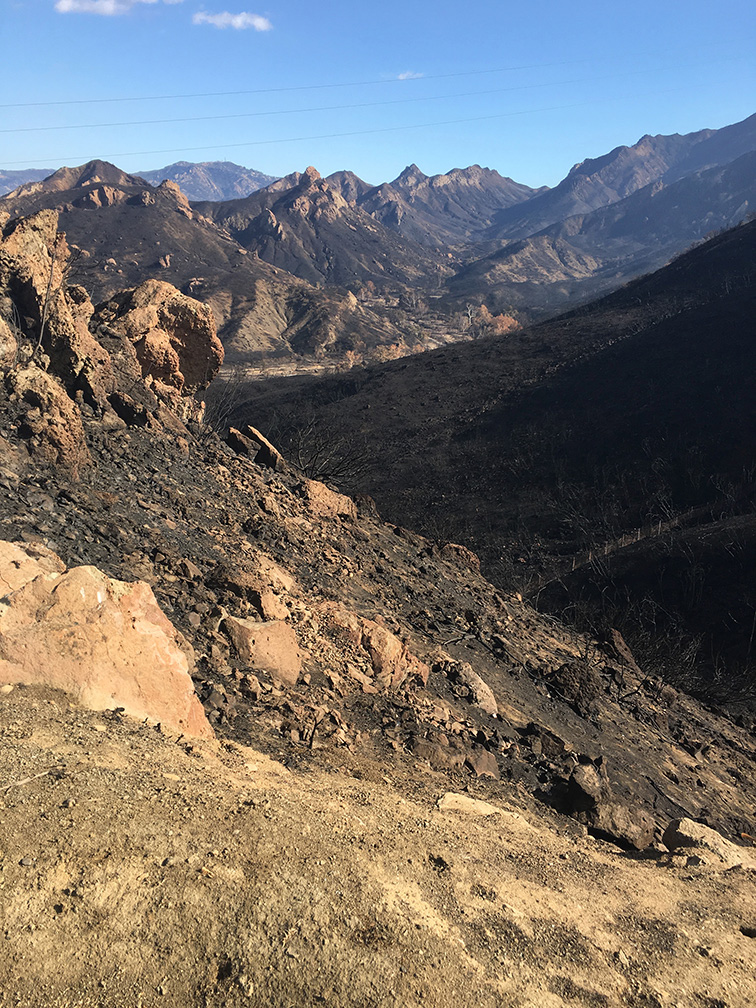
[
  {"x": 270, "y": 646},
  {"x": 591, "y": 801},
  {"x": 686, "y": 836},
  {"x": 467, "y": 680},
  {"x": 393, "y": 664},
  {"x": 50, "y": 422},
  {"x": 21, "y": 564},
  {"x": 452, "y": 802},
  {"x": 326, "y": 503},
  {"x": 105, "y": 642},
  {"x": 173, "y": 335},
  {"x": 258, "y": 447},
  {"x": 34, "y": 261}
]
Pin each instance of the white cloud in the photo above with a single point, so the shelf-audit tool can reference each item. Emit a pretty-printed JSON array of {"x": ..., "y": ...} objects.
[
  {"x": 409, "y": 75},
  {"x": 235, "y": 21},
  {"x": 107, "y": 8}
]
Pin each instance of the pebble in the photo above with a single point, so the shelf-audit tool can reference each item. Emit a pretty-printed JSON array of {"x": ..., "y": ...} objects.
[{"x": 27, "y": 862}]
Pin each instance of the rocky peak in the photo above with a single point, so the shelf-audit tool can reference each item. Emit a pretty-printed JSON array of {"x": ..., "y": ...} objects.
[
  {"x": 175, "y": 193},
  {"x": 411, "y": 176},
  {"x": 92, "y": 173},
  {"x": 309, "y": 177}
]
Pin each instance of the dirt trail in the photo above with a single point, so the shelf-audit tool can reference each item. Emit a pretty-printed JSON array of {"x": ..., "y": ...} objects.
[{"x": 138, "y": 871}]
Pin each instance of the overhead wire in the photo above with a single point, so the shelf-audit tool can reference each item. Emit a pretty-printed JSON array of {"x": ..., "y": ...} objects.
[
  {"x": 325, "y": 108},
  {"x": 295, "y": 87},
  {"x": 362, "y": 132}
]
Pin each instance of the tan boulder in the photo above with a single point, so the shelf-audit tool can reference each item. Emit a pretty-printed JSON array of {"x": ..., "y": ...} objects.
[
  {"x": 173, "y": 335},
  {"x": 691, "y": 838},
  {"x": 453, "y": 802},
  {"x": 392, "y": 662},
  {"x": 34, "y": 261},
  {"x": 105, "y": 642},
  {"x": 266, "y": 454},
  {"x": 21, "y": 564},
  {"x": 326, "y": 503},
  {"x": 270, "y": 646}
]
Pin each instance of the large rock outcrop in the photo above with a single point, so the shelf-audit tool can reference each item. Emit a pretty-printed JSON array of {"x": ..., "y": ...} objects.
[
  {"x": 174, "y": 337},
  {"x": 50, "y": 323},
  {"x": 147, "y": 349},
  {"x": 105, "y": 642}
]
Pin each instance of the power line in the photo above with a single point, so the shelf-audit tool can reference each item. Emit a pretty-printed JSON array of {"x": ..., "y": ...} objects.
[
  {"x": 300, "y": 87},
  {"x": 365, "y": 132},
  {"x": 329, "y": 108}
]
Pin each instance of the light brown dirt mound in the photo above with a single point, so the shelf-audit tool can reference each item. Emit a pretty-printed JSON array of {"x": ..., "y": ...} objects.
[{"x": 136, "y": 871}]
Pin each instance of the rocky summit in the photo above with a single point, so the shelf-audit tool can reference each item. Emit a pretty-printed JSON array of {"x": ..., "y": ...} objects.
[{"x": 262, "y": 748}]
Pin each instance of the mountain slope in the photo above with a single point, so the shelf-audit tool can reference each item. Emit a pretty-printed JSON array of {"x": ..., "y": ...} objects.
[
  {"x": 596, "y": 251},
  {"x": 304, "y": 225},
  {"x": 536, "y": 448},
  {"x": 420, "y": 791},
  {"x": 128, "y": 231},
  {"x": 599, "y": 182},
  {"x": 10, "y": 179},
  {"x": 440, "y": 209}
]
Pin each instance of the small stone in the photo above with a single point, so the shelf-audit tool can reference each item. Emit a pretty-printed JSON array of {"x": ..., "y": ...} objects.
[
  {"x": 27, "y": 862},
  {"x": 7, "y": 688},
  {"x": 69, "y": 803},
  {"x": 451, "y": 802}
]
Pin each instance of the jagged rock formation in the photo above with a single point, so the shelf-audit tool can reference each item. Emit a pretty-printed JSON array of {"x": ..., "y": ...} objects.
[
  {"x": 455, "y": 207},
  {"x": 173, "y": 336},
  {"x": 125, "y": 231},
  {"x": 64, "y": 356},
  {"x": 303, "y": 224}
]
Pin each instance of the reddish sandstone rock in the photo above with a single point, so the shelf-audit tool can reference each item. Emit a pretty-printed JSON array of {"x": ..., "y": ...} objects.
[
  {"x": 271, "y": 647},
  {"x": 105, "y": 642}
]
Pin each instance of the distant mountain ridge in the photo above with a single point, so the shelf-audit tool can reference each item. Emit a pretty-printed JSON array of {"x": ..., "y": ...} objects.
[
  {"x": 211, "y": 180},
  {"x": 208, "y": 180},
  {"x": 11, "y": 179},
  {"x": 303, "y": 224}
]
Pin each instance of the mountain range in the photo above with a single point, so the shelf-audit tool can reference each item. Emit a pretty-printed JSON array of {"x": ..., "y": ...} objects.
[
  {"x": 203, "y": 181},
  {"x": 410, "y": 261}
]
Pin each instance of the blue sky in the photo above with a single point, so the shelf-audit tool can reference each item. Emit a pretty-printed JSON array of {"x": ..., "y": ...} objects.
[{"x": 528, "y": 89}]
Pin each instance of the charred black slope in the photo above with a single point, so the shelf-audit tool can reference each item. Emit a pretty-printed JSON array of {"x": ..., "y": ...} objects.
[{"x": 569, "y": 437}]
